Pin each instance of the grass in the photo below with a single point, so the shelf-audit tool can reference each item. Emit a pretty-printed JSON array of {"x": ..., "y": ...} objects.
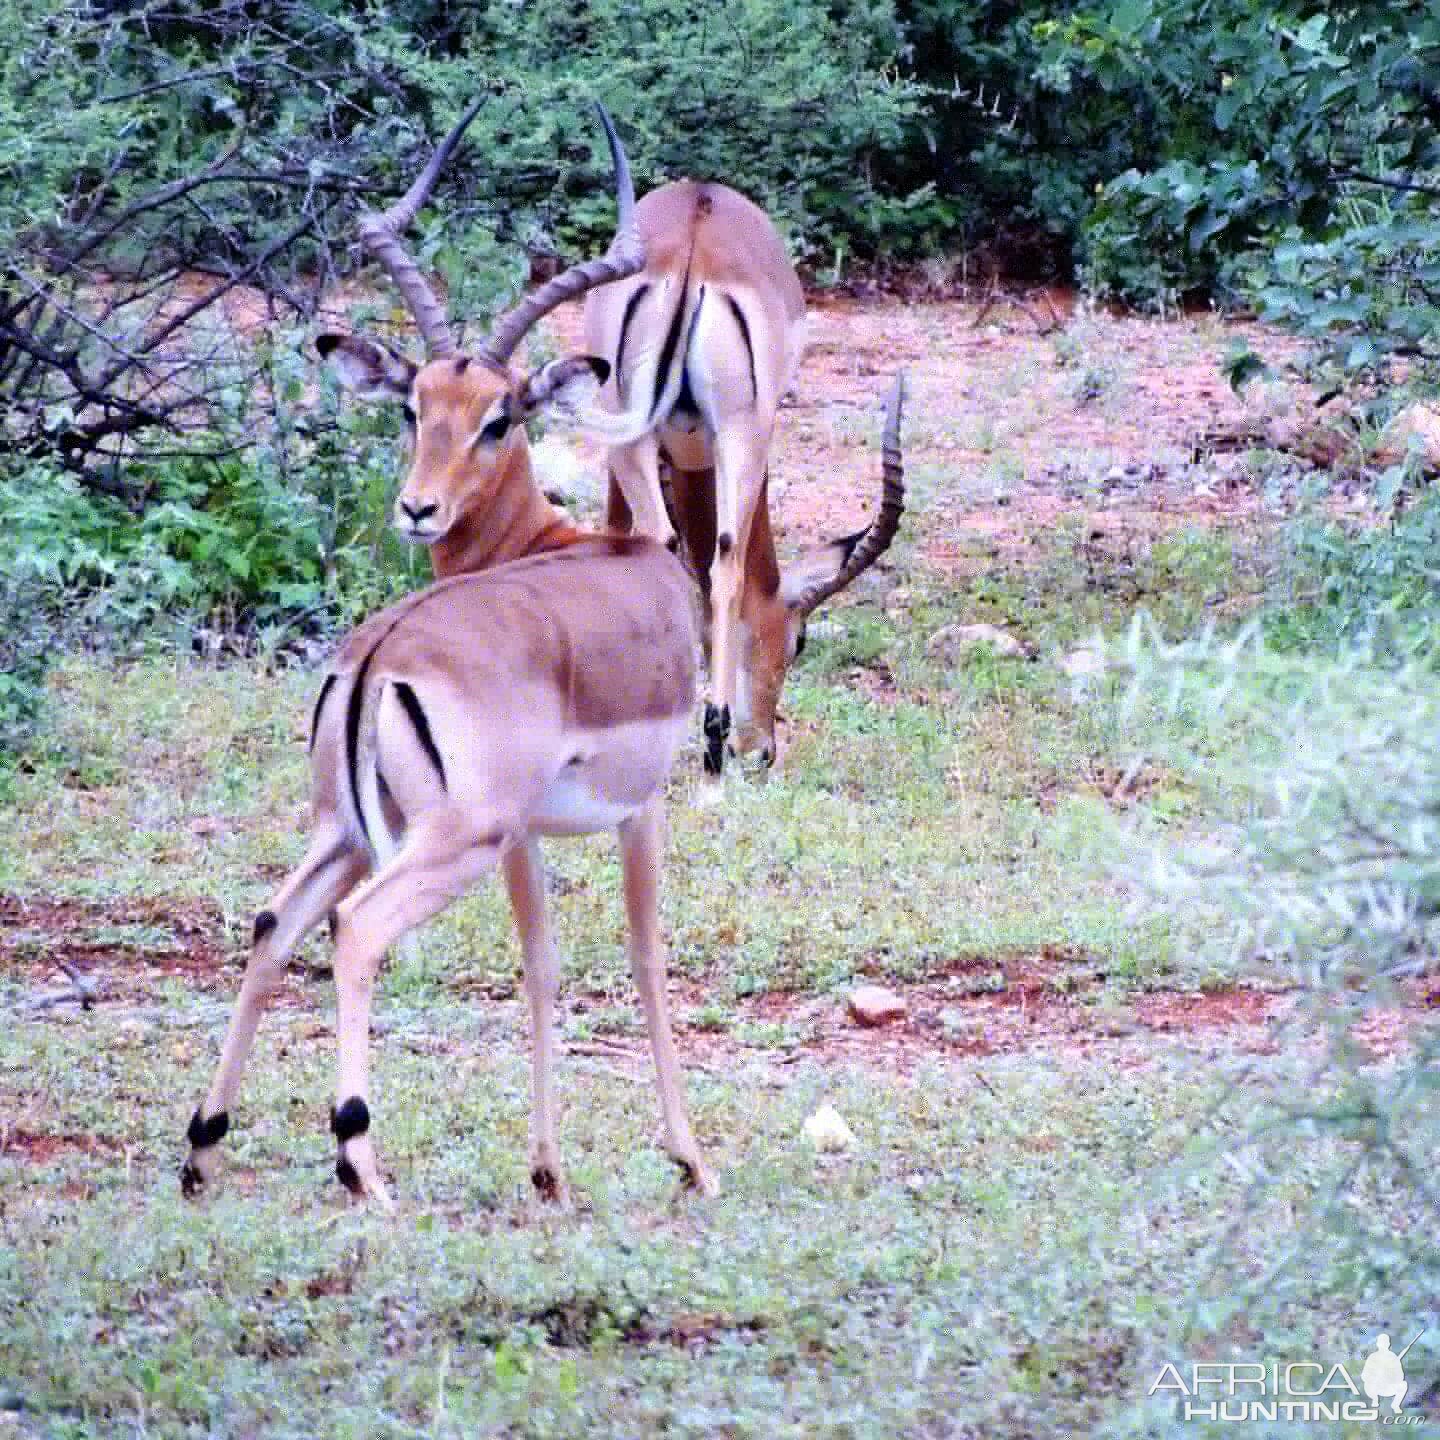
[
  {"x": 980, "y": 1264},
  {"x": 983, "y": 1263},
  {"x": 876, "y": 1293}
]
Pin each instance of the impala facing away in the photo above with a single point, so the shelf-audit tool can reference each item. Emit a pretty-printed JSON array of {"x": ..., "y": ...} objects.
[
  {"x": 543, "y": 688},
  {"x": 702, "y": 344}
]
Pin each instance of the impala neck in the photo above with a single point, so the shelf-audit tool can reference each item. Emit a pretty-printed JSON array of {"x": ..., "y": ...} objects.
[{"x": 516, "y": 520}]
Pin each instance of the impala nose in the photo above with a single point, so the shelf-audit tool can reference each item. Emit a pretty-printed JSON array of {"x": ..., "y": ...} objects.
[{"x": 417, "y": 513}]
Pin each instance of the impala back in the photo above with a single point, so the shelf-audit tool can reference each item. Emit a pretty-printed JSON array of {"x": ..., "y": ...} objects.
[{"x": 563, "y": 683}]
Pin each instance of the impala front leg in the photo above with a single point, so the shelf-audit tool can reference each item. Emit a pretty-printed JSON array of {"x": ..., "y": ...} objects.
[
  {"x": 642, "y": 842},
  {"x": 438, "y": 862},
  {"x": 525, "y": 881}
]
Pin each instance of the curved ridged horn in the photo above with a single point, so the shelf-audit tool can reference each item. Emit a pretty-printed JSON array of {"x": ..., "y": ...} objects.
[
  {"x": 875, "y": 541},
  {"x": 380, "y": 235},
  {"x": 626, "y": 256}
]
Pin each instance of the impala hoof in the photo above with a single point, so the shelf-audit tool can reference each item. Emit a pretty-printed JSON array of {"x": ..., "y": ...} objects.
[
  {"x": 549, "y": 1185},
  {"x": 695, "y": 1175},
  {"x": 355, "y": 1164},
  {"x": 717, "y": 732},
  {"x": 364, "y": 1188}
]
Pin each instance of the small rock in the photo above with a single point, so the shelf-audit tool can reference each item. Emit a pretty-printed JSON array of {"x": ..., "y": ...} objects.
[
  {"x": 1081, "y": 664},
  {"x": 872, "y": 1005},
  {"x": 1416, "y": 428},
  {"x": 950, "y": 642},
  {"x": 826, "y": 1130}
]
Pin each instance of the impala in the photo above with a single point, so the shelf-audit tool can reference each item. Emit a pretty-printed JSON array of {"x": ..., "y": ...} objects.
[
  {"x": 542, "y": 689},
  {"x": 703, "y": 342}
]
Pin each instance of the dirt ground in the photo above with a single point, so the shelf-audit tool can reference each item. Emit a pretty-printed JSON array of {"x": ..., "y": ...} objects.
[
  {"x": 1034, "y": 415},
  {"x": 1031, "y": 414},
  {"x": 69, "y": 954}
]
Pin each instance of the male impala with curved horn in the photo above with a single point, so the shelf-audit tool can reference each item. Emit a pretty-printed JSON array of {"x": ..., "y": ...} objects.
[
  {"x": 702, "y": 344},
  {"x": 543, "y": 688}
]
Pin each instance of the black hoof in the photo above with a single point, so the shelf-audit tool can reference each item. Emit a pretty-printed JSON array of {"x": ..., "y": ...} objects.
[
  {"x": 348, "y": 1176},
  {"x": 546, "y": 1183},
  {"x": 202, "y": 1134},
  {"x": 717, "y": 731}
]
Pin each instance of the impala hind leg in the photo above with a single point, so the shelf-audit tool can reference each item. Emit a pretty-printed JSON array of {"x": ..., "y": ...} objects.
[
  {"x": 525, "y": 881},
  {"x": 641, "y": 844},
  {"x": 330, "y": 870},
  {"x": 635, "y": 470},
  {"x": 739, "y": 482},
  {"x": 439, "y": 861}
]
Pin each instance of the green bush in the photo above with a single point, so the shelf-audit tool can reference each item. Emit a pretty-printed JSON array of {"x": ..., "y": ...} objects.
[
  {"x": 1380, "y": 587},
  {"x": 28, "y": 641},
  {"x": 1298, "y": 170},
  {"x": 1322, "y": 874},
  {"x": 286, "y": 537}
]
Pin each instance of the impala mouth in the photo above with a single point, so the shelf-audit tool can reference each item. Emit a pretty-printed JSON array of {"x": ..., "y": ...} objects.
[{"x": 420, "y": 529}]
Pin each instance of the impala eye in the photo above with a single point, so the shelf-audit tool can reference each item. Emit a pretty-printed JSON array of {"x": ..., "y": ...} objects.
[{"x": 494, "y": 430}]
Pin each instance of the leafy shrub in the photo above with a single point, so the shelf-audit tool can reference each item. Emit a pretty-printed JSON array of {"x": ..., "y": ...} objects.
[
  {"x": 287, "y": 537},
  {"x": 1326, "y": 876},
  {"x": 1380, "y": 586},
  {"x": 1297, "y": 171},
  {"x": 27, "y": 643}
]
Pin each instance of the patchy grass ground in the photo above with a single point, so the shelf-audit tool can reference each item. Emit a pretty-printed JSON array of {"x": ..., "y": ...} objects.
[{"x": 1043, "y": 1199}]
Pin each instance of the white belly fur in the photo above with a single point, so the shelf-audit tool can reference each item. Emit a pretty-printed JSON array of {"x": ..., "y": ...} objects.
[
  {"x": 572, "y": 807},
  {"x": 615, "y": 773}
]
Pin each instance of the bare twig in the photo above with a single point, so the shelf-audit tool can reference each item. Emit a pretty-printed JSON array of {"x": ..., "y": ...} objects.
[
  {"x": 82, "y": 991},
  {"x": 109, "y": 377},
  {"x": 599, "y": 1047}
]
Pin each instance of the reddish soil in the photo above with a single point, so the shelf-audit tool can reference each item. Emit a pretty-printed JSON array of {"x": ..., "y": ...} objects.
[
  {"x": 118, "y": 945},
  {"x": 35, "y": 1148},
  {"x": 987, "y": 1006},
  {"x": 1001, "y": 407},
  {"x": 1054, "y": 999}
]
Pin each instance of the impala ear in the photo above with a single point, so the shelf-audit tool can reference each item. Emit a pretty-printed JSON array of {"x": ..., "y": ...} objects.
[
  {"x": 566, "y": 388},
  {"x": 367, "y": 367}
]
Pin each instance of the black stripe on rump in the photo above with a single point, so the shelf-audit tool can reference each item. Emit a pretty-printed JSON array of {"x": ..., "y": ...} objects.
[
  {"x": 630, "y": 307},
  {"x": 411, "y": 701},
  {"x": 319, "y": 706},
  {"x": 744, "y": 325},
  {"x": 672, "y": 343},
  {"x": 352, "y": 742}
]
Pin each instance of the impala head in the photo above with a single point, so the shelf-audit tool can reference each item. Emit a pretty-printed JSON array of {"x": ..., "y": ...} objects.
[
  {"x": 467, "y": 413},
  {"x": 466, "y": 418},
  {"x": 774, "y": 620}
]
